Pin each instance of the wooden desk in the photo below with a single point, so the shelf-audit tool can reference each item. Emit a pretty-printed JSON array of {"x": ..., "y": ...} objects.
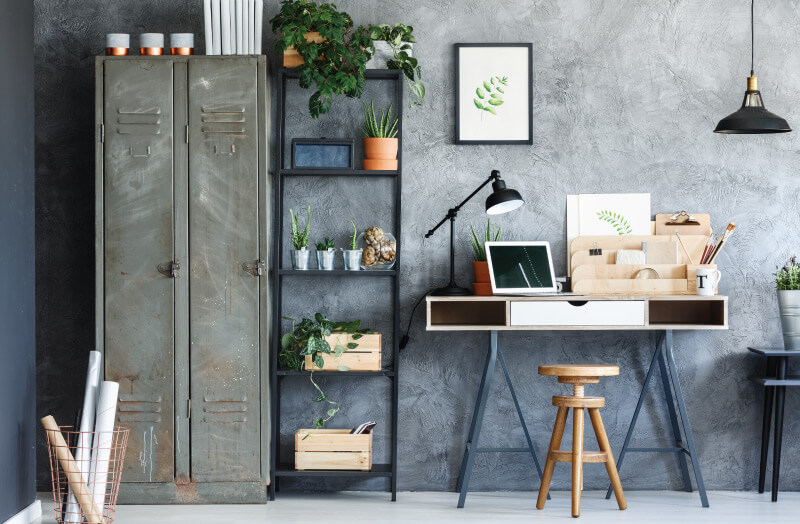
[{"x": 583, "y": 313}]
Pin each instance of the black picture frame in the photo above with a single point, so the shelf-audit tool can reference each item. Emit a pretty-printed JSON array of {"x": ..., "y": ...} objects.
[
  {"x": 457, "y": 48},
  {"x": 334, "y": 144}
]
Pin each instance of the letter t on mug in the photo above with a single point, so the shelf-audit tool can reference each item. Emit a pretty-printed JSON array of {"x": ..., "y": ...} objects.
[{"x": 707, "y": 281}]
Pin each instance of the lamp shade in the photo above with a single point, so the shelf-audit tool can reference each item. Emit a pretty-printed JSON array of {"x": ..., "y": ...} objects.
[{"x": 502, "y": 200}]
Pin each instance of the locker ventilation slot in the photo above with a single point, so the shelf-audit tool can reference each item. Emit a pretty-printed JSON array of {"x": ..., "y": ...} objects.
[
  {"x": 232, "y": 410},
  {"x": 139, "y": 408},
  {"x": 225, "y": 120},
  {"x": 139, "y": 121}
]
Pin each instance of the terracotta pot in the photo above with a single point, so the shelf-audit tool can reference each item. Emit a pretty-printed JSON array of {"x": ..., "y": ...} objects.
[
  {"x": 481, "y": 270},
  {"x": 380, "y": 148},
  {"x": 482, "y": 288},
  {"x": 378, "y": 164},
  {"x": 291, "y": 58}
]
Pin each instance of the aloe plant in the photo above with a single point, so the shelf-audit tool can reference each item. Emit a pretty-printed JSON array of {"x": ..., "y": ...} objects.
[
  {"x": 353, "y": 242},
  {"x": 375, "y": 127},
  {"x": 300, "y": 238},
  {"x": 478, "y": 246},
  {"x": 490, "y": 94},
  {"x": 326, "y": 244}
]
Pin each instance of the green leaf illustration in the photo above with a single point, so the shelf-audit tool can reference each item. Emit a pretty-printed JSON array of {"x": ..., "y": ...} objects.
[
  {"x": 477, "y": 104},
  {"x": 617, "y": 221},
  {"x": 480, "y": 93},
  {"x": 490, "y": 94}
]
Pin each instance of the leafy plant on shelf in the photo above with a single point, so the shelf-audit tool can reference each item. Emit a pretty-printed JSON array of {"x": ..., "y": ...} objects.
[
  {"x": 787, "y": 278},
  {"x": 353, "y": 239},
  {"x": 336, "y": 65},
  {"x": 399, "y": 38},
  {"x": 308, "y": 338},
  {"x": 378, "y": 127},
  {"x": 478, "y": 246},
  {"x": 325, "y": 245},
  {"x": 300, "y": 239}
]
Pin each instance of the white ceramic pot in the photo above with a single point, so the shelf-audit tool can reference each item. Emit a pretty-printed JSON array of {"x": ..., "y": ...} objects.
[
  {"x": 383, "y": 53},
  {"x": 789, "y": 306}
]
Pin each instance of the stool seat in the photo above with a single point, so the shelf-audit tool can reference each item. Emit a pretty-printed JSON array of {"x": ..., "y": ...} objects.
[{"x": 579, "y": 370}]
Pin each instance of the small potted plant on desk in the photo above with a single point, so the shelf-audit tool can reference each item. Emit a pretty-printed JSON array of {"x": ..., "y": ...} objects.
[
  {"x": 352, "y": 256},
  {"x": 301, "y": 254},
  {"x": 787, "y": 281},
  {"x": 325, "y": 252},
  {"x": 483, "y": 283},
  {"x": 380, "y": 139}
]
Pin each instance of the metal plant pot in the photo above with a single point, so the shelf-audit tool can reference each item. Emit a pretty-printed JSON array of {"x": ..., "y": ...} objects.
[
  {"x": 325, "y": 259},
  {"x": 789, "y": 305},
  {"x": 300, "y": 259},
  {"x": 352, "y": 259}
]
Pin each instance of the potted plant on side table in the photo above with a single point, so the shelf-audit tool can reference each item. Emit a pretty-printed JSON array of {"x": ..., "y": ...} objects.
[
  {"x": 301, "y": 254},
  {"x": 393, "y": 48},
  {"x": 483, "y": 283},
  {"x": 325, "y": 253},
  {"x": 380, "y": 140},
  {"x": 352, "y": 256},
  {"x": 787, "y": 281}
]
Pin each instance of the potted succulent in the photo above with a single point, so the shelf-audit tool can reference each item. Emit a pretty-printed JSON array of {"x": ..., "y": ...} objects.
[
  {"x": 787, "y": 282},
  {"x": 325, "y": 252},
  {"x": 393, "y": 48},
  {"x": 334, "y": 54},
  {"x": 380, "y": 140},
  {"x": 483, "y": 283},
  {"x": 352, "y": 256},
  {"x": 308, "y": 338},
  {"x": 301, "y": 254}
]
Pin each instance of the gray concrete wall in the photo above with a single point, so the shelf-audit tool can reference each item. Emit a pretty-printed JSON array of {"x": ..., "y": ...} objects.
[{"x": 626, "y": 95}]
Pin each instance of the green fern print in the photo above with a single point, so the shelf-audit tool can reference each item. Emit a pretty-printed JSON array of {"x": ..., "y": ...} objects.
[
  {"x": 490, "y": 94},
  {"x": 617, "y": 221}
]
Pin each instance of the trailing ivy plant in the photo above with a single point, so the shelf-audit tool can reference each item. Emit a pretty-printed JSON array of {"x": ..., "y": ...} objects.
[
  {"x": 478, "y": 246},
  {"x": 300, "y": 239},
  {"x": 308, "y": 338},
  {"x": 335, "y": 66},
  {"x": 490, "y": 94},
  {"x": 378, "y": 127},
  {"x": 400, "y": 37},
  {"x": 617, "y": 221},
  {"x": 787, "y": 278}
]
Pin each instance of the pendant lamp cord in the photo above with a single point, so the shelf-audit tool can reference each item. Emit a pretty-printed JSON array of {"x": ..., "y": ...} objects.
[{"x": 752, "y": 37}]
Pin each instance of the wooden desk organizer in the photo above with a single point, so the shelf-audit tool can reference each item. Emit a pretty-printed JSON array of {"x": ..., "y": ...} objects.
[
  {"x": 332, "y": 449},
  {"x": 599, "y": 275},
  {"x": 365, "y": 357}
]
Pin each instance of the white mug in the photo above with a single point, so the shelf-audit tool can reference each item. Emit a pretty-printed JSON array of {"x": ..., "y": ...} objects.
[{"x": 707, "y": 281}]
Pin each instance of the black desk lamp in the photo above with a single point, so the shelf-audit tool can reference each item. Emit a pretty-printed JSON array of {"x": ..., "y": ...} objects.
[{"x": 502, "y": 200}]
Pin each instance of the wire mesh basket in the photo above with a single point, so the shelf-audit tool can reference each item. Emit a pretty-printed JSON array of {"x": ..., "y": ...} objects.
[{"x": 99, "y": 456}]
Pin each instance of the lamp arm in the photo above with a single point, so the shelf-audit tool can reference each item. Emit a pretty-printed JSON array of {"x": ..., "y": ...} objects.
[{"x": 451, "y": 213}]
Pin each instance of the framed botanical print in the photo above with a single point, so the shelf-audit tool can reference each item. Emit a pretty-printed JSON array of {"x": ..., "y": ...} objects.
[{"x": 494, "y": 93}]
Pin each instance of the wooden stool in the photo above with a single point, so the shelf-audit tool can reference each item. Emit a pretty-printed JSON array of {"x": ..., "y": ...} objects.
[{"x": 578, "y": 375}]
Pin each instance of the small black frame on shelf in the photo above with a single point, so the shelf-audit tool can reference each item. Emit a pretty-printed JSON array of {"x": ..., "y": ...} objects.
[{"x": 282, "y": 470}]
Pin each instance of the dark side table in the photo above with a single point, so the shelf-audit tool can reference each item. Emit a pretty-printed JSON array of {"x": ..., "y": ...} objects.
[{"x": 775, "y": 383}]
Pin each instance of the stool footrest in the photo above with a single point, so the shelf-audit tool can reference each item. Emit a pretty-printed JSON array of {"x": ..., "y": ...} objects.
[
  {"x": 579, "y": 402},
  {"x": 561, "y": 455}
]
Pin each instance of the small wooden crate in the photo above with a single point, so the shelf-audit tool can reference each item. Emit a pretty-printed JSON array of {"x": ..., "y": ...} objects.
[
  {"x": 332, "y": 449},
  {"x": 365, "y": 357}
]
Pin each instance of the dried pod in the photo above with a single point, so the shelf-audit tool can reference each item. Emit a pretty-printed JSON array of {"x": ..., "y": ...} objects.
[
  {"x": 388, "y": 250},
  {"x": 373, "y": 234},
  {"x": 369, "y": 257}
]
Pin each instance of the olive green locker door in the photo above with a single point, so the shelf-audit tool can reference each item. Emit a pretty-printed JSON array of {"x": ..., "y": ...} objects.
[
  {"x": 224, "y": 262},
  {"x": 138, "y": 238}
]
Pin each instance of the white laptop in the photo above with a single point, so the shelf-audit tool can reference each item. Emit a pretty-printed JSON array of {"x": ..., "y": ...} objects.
[{"x": 521, "y": 268}]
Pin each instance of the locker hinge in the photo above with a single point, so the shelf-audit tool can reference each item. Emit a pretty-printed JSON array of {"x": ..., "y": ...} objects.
[
  {"x": 186, "y": 131},
  {"x": 189, "y": 408},
  {"x": 101, "y": 133}
]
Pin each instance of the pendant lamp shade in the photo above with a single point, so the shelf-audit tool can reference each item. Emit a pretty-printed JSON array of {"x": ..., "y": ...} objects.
[{"x": 752, "y": 117}]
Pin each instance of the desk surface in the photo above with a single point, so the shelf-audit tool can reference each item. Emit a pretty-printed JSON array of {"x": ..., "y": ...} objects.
[{"x": 662, "y": 312}]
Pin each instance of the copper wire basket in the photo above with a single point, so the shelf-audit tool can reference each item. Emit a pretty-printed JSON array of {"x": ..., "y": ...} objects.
[{"x": 88, "y": 456}]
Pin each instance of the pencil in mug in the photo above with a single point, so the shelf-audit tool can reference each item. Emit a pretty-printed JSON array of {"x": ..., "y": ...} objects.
[{"x": 721, "y": 243}]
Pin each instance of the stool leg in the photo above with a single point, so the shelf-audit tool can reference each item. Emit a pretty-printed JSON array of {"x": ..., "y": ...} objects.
[
  {"x": 550, "y": 463},
  {"x": 611, "y": 467},
  {"x": 577, "y": 459}
]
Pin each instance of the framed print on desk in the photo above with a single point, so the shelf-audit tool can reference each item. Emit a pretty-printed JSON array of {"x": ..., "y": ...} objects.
[{"x": 494, "y": 93}]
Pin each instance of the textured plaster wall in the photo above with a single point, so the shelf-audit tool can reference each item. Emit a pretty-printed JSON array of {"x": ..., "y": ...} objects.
[{"x": 626, "y": 95}]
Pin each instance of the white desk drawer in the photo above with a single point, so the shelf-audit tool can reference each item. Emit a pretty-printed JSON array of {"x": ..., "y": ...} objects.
[{"x": 578, "y": 313}]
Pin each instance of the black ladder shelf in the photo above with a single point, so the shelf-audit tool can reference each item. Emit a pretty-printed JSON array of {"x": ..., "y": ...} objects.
[{"x": 279, "y": 470}]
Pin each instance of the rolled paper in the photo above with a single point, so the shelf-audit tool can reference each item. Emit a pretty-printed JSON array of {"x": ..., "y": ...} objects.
[
  {"x": 208, "y": 25},
  {"x": 217, "y": 40},
  {"x": 245, "y": 39},
  {"x": 72, "y": 472},
  {"x": 239, "y": 30},
  {"x": 259, "y": 22},
  {"x": 251, "y": 26},
  {"x": 83, "y": 448},
  {"x": 103, "y": 439},
  {"x": 225, "y": 26}
]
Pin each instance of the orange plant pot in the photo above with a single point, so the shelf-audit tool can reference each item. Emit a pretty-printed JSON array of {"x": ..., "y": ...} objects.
[
  {"x": 482, "y": 288},
  {"x": 291, "y": 58},
  {"x": 380, "y": 164},
  {"x": 380, "y": 148},
  {"x": 481, "y": 270}
]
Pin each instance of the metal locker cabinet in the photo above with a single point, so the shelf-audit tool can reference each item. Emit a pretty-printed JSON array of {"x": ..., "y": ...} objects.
[
  {"x": 225, "y": 269},
  {"x": 138, "y": 237}
]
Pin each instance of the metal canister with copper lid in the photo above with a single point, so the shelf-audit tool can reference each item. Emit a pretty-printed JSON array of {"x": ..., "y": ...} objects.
[
  {"x": 151, "y": 44},
  {"x": 118, "y": 44},
  {"x": 181, "y": 43}
]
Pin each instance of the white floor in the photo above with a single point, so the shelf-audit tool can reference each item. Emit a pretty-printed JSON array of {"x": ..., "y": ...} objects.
[{"x": 418, "y": 507}]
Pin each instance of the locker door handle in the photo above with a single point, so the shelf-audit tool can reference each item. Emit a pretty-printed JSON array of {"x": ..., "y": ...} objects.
[
  {"x": 144, "y": 154},
  {"x": 254, "y": 268},
  {"x": 170, "y": 269},
  {"x": 225, "y": 153}
]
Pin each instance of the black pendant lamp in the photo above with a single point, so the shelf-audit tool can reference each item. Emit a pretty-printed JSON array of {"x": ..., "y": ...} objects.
[{"x": 753, "y": 117}]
